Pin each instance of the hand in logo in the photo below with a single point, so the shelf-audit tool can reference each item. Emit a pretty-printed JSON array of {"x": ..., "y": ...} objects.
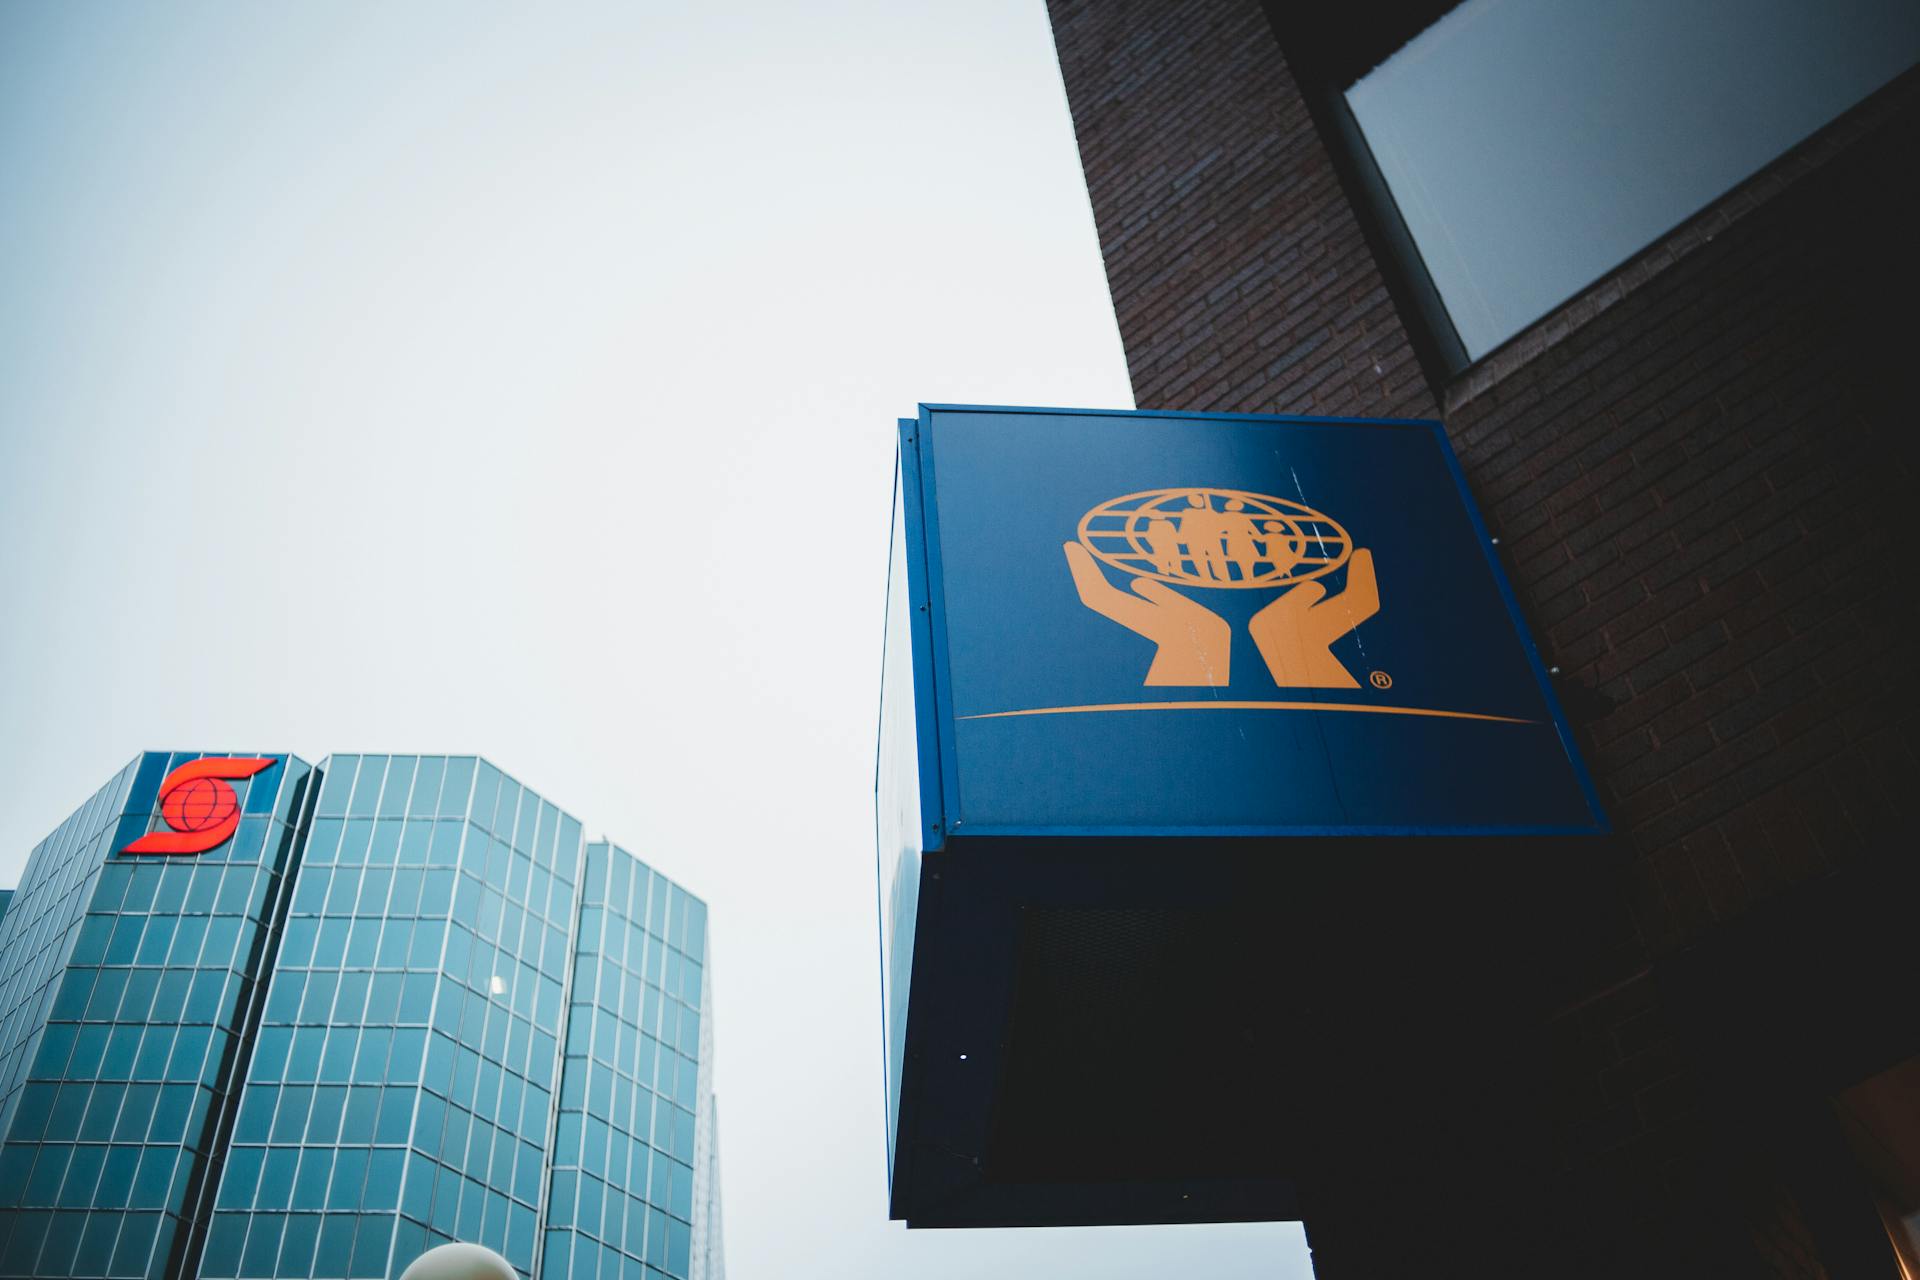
[
  {"x": 1195, "y": 643},
  {"x": 1295, "y": 633}
]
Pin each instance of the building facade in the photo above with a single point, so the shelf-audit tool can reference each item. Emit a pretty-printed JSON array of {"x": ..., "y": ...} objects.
[
  {"x": 1687, "y": 426},
  {"x": 401, "y": 1001}
]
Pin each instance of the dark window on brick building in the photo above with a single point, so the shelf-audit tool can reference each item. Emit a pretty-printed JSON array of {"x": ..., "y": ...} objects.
[{"x": 1517, "y": 150}]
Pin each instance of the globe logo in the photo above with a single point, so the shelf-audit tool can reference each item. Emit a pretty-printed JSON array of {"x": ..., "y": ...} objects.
[
  {"x": 202, "y": 810},
  {"x": 1215, "y": 538},
  {"x": 1225, "y": 538},
  {"x": 199, "y": 805}
]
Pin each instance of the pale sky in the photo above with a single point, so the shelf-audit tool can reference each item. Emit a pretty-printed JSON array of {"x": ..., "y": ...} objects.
[{"x": 521, "y": 380}]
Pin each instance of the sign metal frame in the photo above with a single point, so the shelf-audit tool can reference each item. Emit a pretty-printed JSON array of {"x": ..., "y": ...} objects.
[{"x": 943, "y": 811}]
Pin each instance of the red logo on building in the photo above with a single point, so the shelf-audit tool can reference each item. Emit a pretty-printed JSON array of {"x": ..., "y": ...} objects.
[{"x": 202, "y": 810}]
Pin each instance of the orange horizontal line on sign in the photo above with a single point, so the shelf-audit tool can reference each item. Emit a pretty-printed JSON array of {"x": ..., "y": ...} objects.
[
  {"x": 1131, "y": 524},
  {"x": 1130, "y": 554},
  {"x": 1251, "y": 706}
]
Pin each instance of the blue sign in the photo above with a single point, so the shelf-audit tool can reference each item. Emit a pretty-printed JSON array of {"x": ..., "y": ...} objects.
[{"x": 1196, "y": 624}]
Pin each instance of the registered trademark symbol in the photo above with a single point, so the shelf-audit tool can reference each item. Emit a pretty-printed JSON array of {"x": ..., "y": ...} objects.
[{"x": 1380, "y": 680}]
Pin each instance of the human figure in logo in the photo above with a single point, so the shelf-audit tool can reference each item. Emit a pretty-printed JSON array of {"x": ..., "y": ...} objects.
[
  {"x": 1283, "y": 552},
  {"x": 1201, "y": 530},
  {"x": 1163, "y": 546},
  {"x": 1236, "y": 530}
]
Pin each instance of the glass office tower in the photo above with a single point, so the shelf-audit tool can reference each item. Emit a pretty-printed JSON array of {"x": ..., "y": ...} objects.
[
  {"x": 626, "y": 1147},
  {"x": 404, "y": 1003}
]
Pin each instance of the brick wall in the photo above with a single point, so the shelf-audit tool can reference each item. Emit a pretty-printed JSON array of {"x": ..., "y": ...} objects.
[
  {"x": 1239, "y": 275},
  {"x": 1703, "y": 496},
  {"x": 1702, "y": 472}
]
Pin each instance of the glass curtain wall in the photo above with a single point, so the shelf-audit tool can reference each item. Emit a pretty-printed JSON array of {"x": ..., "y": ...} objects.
[
  {"x": 441, "y": 940},
  {"x": 623, "y": 1203},
  {"x": 143, "y": 971},
  {"x": 402, "y": 1090}
]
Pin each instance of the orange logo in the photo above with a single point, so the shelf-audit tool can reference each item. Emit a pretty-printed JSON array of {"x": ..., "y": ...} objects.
[
  {"x": 1225, "y": 539},
  {"x": 1215, "y": 538},
  {"x": 1229, "y": 539}
]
